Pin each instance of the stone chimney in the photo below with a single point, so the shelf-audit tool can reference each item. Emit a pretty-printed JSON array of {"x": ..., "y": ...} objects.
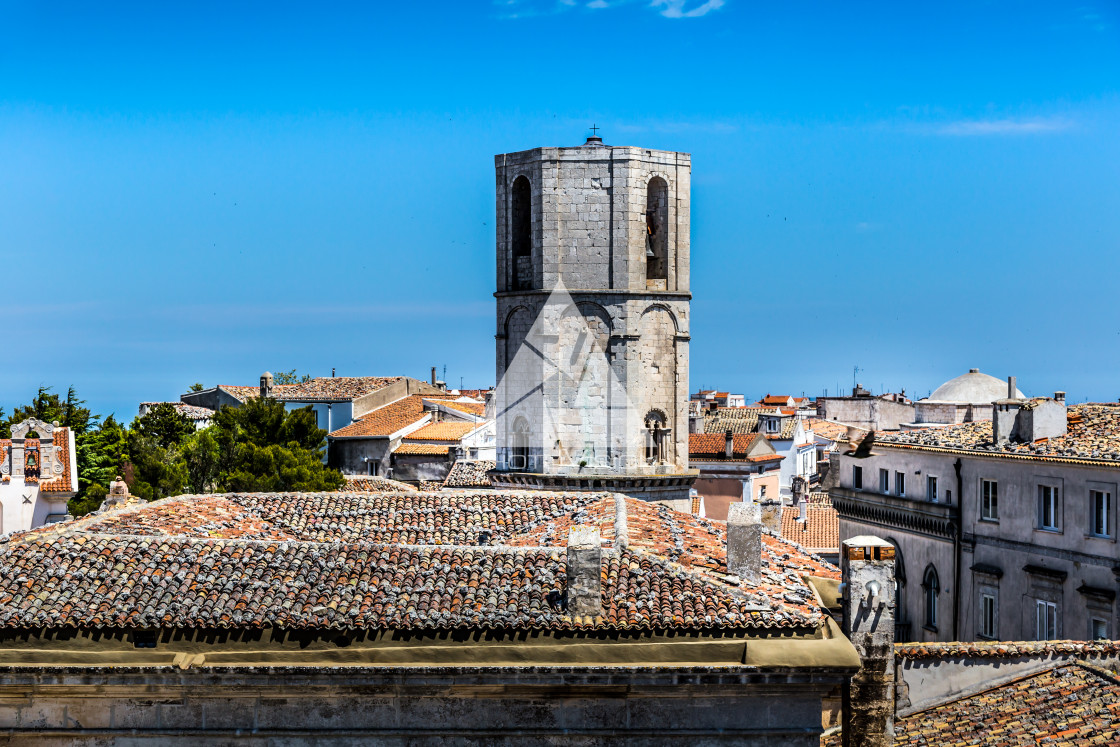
[
  {"x": 744, "y": 541},
  {"x": 1005, "y": 413},
  {"x": 867, "y": 568},
  {"x": 266, "y": 384},
  {"x": 799, "y": 486},
  {"x": 1060, "y": 397},
  {"x": 803, "y": 510},
  {"x": 728, "y": 444},
  {"x": 771, "y": 516},
  {"x": 585, "y": 557},
  {"x": 433, "y": 379}
]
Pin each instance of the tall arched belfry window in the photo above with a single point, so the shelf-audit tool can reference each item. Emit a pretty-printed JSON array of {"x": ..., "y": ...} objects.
[
  {"x": 657, "y": 225},
  {"x": 521, "y": 233},
  {"x": 932, "y": 588}
]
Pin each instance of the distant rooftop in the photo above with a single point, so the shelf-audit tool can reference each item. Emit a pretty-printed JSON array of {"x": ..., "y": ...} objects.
[{"x": 1093, "y": 435}]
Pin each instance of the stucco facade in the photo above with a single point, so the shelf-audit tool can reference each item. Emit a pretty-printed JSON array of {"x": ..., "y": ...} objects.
[{"x": 1005, "y": 555}]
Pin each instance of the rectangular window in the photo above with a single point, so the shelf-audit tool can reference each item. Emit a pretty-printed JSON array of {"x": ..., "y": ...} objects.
[
  {"x": 989, "y": 500},
  {"x": 1048, "y": 508},
  {"x": 1100, "y": 512},
  {"x": 884, "y": 481},
  {"x": 1098, "y": 629},
  {"x": 931, "y": 489},
  {"x": 900, "y": 483},
  {"x": 857, "y": 478},
  {"x": 1046, "y": 621},
  {"x": 988, "y": 615},
  {"x": 949, "y": 496}
]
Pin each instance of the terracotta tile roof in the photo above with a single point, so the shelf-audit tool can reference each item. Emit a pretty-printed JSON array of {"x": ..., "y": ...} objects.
[
  {"x": 830, "y": 429},
  {"x": 386, "y": 420},
  {"x": 192, "y": 412},
  {"x": 320, "y": 389},
  {"x": 466, "y": 474},
  {"x": 64, "y": 483},
  {"x": 390, "y": 560},
  {"x": 413, "y": 449},
  {"x": 1093, "y": 435},
  {"x": 1067, "y": 704},
  {"x": 1006, "y": 649},
  {"x": 820, "y": 532},
  {"x": 374, "y": 484},
  {"x": 734, "y": 419},
  {"x": 775, "y": 399},
  {"x": 244, "y": 393},
  {"x": 477, "y": 409},
  {"x": 334, "y": 388},
  {"x": 712, "y": 447},
  {"x": 445, "y": 431}
]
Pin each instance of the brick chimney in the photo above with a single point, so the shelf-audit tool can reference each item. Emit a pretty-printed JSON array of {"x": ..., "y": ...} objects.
[
  {"x": 728, "y": 444},
  {"x": 585, "y": 556},
  {"x": 744, "y": 541},
  {"x": 867, "y": 567}
]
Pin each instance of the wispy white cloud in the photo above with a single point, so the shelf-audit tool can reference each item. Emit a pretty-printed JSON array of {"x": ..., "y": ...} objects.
[
  {"x": 1007, "y": 126},
  {"x": 510, "y": 9},
  {"x": 681, "y": 9}
]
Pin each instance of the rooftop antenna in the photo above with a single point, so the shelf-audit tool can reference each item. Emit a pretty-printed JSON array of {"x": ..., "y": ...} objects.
[{"x": 855, "y": 373}]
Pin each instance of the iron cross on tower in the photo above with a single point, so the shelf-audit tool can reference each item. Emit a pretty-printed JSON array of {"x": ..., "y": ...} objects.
[{"x": 594, "y": 130}]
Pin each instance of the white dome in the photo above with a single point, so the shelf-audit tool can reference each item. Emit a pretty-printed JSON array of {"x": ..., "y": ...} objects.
[{"x": 972, "y": 388}]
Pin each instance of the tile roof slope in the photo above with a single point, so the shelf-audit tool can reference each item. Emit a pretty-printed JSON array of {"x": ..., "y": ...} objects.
[
  {"x": 191, "y": 411},
  {"x": 386, "y": 420},
  {"x": 820, "y": 532},
  {"x": 334, "y": 388},
  {"x": 466, "y": 474},
  {"x": 830, "y": 429},
  {"x": 374, "y": 484},
  {"x": 63, "y": 483},
  {"x": 734, "y": 419},
  {"x": 1067, "y": 704},
  {"x": 1093, "y": 434},
  {"x": 478, "y": 409},
  {"x": 418, "y": 560},
  {"x": 713, "y": 447},
  {"x": 414, "y": 449},
  {"x": 445, "y": 431}
]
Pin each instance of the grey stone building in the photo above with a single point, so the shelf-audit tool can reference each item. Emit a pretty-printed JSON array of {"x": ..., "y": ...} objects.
[
  {"x": 593, "y": 319},
  {"x": 1005, "y": 528}
]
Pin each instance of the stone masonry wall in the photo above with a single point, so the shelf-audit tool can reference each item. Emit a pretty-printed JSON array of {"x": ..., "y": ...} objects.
[{"x": 589, "y": 238}]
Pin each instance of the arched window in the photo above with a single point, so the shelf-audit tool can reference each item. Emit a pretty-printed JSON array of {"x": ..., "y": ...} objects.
[
  {"x": 932, "y": 588},
  {"x": 657, "y": 224},
  {"x": 521, "y": 233},
  {"x": 520, "y": 457},
  {"x": 656, "y": 434}
]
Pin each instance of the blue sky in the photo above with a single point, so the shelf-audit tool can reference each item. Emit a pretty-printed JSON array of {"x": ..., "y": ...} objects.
[{"x": 203, "y": 191}]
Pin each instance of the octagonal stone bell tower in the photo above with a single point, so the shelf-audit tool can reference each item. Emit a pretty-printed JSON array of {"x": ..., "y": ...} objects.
[{"x": 593, "y": 320}]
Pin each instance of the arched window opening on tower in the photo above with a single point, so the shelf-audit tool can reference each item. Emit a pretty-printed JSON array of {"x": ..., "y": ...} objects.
[
  {"x": 932, "y": 588},
  {"x": 657, "y": 213},
  {"x": 656, "y": 436},
  {"x": 521, "y": 233},
  {"x": 520, "y": 457}
]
